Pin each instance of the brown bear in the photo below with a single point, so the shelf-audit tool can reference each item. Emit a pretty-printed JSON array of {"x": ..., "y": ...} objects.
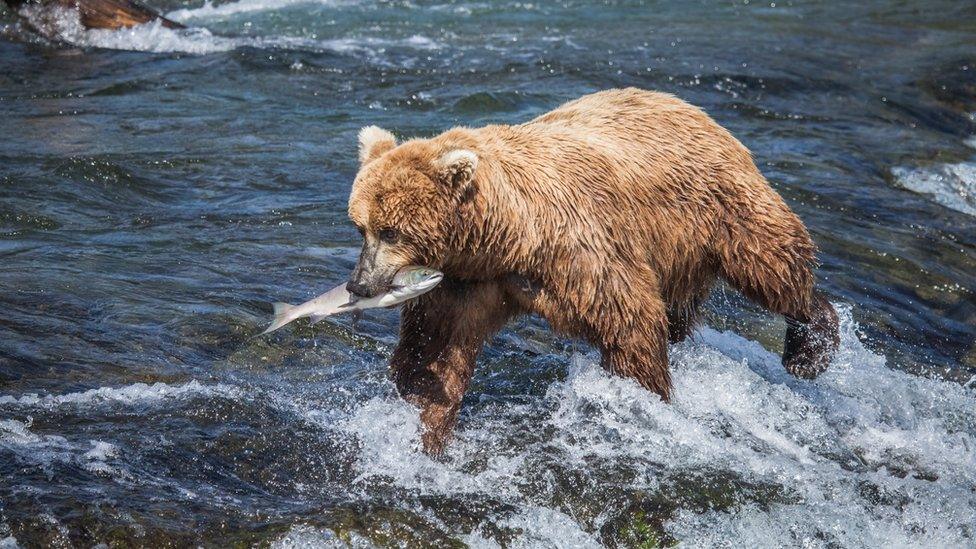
[{"x": 611, "y": 217}]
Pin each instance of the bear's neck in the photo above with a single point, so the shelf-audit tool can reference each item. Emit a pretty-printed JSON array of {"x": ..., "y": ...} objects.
[{"x": 500, "y": 234}]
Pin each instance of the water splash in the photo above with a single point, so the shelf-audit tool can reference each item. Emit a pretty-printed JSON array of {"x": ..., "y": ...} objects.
[
  {"x": 137, "y": 393},
  {"x": 864, "y": 455},
  {"x": 65, "y": 25},
  {"x": 209, "y": 11},
  {"x": 45, "y": 451},
  {"x": 952, "y": 185},
  {"x": 308, "y": 537}
]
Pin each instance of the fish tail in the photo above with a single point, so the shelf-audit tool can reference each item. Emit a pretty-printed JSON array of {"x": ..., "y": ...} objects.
[{"x": 282, "y": 316}]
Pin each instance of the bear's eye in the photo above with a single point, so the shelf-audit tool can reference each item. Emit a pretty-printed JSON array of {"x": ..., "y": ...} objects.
[{"x": 389, "y": 235}]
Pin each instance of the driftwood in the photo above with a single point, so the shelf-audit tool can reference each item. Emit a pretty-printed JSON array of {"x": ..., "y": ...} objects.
[{"x": 101, "y": 14}]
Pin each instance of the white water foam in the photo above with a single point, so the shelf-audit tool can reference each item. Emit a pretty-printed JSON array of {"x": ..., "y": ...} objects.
[
  {"x": 65, "y": 25},
  {"x": 308, "y": 537},
  {"x": 7, "y": 540},
  {"x": 859, "y": 429},
  {"x": 544, "y": 527},
  {"x": 96, "y": 458},
  {"x": 154, "y": 37},
  {"x": 952, "y": 185},
  {"x": 44, "y": 451},
  {"x": 137, "y": 393},
  {"x": 15, "y": 433},
  {"x": 209, "y": 11}
]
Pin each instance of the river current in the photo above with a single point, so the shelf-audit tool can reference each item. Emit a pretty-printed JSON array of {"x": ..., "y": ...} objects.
[{"x": 159, "y": 188}]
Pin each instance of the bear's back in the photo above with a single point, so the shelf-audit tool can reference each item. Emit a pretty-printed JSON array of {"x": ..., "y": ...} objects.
[
  {"x": 631, "y": 116},
  {"x": 607, "y": 106}
]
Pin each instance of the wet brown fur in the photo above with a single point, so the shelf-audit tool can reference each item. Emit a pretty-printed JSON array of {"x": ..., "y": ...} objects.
[{"x": 611, "y": 217}]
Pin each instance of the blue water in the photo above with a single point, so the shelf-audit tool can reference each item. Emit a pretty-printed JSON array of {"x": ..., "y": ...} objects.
[{"x": 159, "y": 188}]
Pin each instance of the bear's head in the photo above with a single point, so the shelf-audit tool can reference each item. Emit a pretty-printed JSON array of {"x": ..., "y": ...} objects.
[{"x": 406, "y": 201}]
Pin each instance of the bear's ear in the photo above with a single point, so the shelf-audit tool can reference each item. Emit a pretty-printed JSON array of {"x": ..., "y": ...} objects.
[
  {"x": 374, "y": 141},
  {"x": 457, "y": 167}
]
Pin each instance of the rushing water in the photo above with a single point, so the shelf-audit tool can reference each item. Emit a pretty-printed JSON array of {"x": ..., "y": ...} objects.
[{"x": 159, "y": 188}]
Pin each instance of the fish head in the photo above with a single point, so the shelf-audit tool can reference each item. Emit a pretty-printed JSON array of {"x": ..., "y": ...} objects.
[
  {"x": 412, "y": 281},
  {"x": 414, "y": 275}
]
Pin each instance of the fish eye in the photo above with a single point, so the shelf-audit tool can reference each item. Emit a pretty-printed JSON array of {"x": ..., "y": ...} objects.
[{"x": 389, "y": 235}]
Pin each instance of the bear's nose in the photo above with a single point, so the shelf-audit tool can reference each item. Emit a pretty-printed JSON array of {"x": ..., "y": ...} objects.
[{"x": 357, "y": 289}]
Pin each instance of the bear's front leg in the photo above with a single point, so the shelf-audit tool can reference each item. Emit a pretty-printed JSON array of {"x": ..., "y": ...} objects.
[{"x": 441, "y": 334}]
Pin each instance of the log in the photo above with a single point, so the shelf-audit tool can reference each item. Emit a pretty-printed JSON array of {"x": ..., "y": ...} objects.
[{"x": 102, "y": 14}]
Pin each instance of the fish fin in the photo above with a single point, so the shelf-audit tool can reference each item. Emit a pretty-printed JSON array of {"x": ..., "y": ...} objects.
[
  {"x": 315, "y": 319},
  {"x": 281, "y": 311}
]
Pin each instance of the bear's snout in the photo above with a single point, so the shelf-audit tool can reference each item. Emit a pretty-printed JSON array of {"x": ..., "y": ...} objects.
[{"x": 372, "y": 275}]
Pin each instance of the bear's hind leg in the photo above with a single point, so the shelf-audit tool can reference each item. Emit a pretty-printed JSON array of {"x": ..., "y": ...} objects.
[
  {"x": 811, "y": 344},
  {"x": 772, "y": 265}
]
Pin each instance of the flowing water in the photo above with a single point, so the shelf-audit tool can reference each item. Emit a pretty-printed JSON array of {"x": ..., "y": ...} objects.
[{"x": 158, "y": 188}]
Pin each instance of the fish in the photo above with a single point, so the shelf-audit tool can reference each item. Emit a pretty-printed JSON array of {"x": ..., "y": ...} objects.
[{"x": 408, "y": 283}]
